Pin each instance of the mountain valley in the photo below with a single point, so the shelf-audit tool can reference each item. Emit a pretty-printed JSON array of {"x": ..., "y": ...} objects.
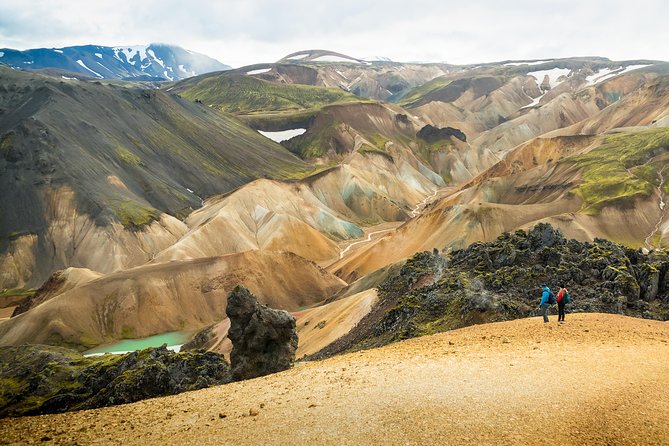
[{"x": 375, "y": 201}]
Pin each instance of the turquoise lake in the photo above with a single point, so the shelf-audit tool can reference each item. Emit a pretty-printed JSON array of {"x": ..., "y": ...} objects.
[{"x": 173, "y": 339}]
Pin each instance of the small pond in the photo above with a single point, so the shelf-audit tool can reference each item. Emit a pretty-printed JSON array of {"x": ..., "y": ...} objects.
[{"x": 173, "y": 339}]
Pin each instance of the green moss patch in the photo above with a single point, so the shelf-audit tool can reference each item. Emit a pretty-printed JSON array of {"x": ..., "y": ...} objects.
[
  {"x": 133, "y": 215},
  {"x": 16, "y": 292},
  {"x": 127, "y": 156},
  {"x": 38, "y": 379},
  {"x": 419, "y": 92},
  {"x": 241, "y": 94},
  {"x": 502, "y": 280},
  {"x": 7, "y": 142},
  {"x": 618, "y": 171}
]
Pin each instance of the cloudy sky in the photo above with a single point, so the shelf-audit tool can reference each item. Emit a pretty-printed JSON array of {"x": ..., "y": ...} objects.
[{"x": 242, "y": 32}]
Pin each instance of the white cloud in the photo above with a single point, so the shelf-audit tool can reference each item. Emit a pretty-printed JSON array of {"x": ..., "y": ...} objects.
[{"x": 244, "y": 32}]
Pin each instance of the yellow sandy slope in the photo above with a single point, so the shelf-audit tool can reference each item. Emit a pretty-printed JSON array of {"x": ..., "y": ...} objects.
[
  {"x": 598, "y": 379},
  {"x": 320, "y": 326}
]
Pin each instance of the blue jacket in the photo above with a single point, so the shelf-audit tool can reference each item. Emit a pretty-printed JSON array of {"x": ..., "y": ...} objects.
[{"x": 544, "y": 296}]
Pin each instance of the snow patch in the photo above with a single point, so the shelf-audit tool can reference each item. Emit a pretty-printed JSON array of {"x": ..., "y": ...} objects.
[
  {"x": 553, "y": 75},
  {"x": 80, "y": 62},
  {"x": 377, "y": 59},
  {"x": 331, "y": 58},
  {"x": 282, "y": 135},
  {"x": 99, "y": 55},
  {"x": 183, "y": 68},
  {"x": 158, "y": 60},
  {"x": 70, "y": 78},
  {"x": 341, "y": 74},
  {"x": 538, "y": 62},
  {"x": 607, "y": 73},
  {"x": 58, "y": 51},
  {"x": 260, "y": 71},
  {"x": 534, "y": 102},
  {"x": 130, "y": 52},
  {"x": 297, "y": 56}
]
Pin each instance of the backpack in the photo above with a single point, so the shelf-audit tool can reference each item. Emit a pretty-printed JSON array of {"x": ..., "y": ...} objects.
[
  {"x": 566, "y": 298},
  {"x": 551, "y": 298}
]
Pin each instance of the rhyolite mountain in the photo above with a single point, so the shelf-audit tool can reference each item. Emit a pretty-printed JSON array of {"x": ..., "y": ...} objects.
[
  {"x": 377, "y": 79},
  {"x": 154, "y": 62},
  {"x": 81, "y": 159}
]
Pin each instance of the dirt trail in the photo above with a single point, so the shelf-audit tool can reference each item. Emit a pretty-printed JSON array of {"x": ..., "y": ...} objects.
[
  {"x": 368, "y": 239},
  {"x": 663, "y": 211},
  {"x": 598, "y": 379},
  {"x": 419, "y": 207},
  {"x": 416, "y": 211}
]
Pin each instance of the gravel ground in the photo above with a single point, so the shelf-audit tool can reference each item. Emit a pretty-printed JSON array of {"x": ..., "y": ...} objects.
[{"x": 597, "y": 379}]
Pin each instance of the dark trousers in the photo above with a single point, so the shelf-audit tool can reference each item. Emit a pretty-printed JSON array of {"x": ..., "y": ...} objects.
[
  {"x": 561, "y": 311},
  {"x": 544, "y": 311}
]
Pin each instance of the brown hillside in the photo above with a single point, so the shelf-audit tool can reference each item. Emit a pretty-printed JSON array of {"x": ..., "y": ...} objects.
[{"x": 178, "y": 295}]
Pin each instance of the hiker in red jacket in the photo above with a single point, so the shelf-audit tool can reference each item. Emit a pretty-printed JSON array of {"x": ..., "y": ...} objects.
[{"x": 562, "y": 299}]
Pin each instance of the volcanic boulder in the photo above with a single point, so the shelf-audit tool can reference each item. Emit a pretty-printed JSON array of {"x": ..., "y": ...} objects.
[{"x": 264, "y": 340}]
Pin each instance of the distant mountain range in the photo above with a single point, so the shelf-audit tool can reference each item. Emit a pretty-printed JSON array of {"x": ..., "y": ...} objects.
[{"x": 152, "y": 62}]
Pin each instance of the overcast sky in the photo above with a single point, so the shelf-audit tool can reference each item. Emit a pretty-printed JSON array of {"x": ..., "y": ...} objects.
[{"x": 251, "y": 31}]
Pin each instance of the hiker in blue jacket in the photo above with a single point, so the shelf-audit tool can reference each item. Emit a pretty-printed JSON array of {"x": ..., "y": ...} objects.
[{"x": 546, "y": 301}]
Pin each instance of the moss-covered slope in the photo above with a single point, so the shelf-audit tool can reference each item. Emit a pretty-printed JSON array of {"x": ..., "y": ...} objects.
[
  {"x": 624, "y": 167},
  {"x": 37, "y": 379},
  {"x": 241, "y": 94}
]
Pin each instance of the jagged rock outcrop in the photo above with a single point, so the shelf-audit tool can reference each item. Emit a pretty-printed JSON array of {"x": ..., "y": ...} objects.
[
  {"x": 433, "y": 134},
  {"x": 264, "y": 340},
  {"x": 37, "y": 379}
]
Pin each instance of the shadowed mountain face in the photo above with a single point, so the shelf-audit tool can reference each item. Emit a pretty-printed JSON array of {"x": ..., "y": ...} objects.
[
  {"x": 81, "y": 159},
  {"x": 155, "y": 62}
]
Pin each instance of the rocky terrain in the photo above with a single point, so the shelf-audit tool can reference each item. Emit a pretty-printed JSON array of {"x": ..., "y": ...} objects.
[
  {"x": 36, "y": 379},
  {"x": 602, "y": 377},
  {"x": 502, "y": 280}
]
